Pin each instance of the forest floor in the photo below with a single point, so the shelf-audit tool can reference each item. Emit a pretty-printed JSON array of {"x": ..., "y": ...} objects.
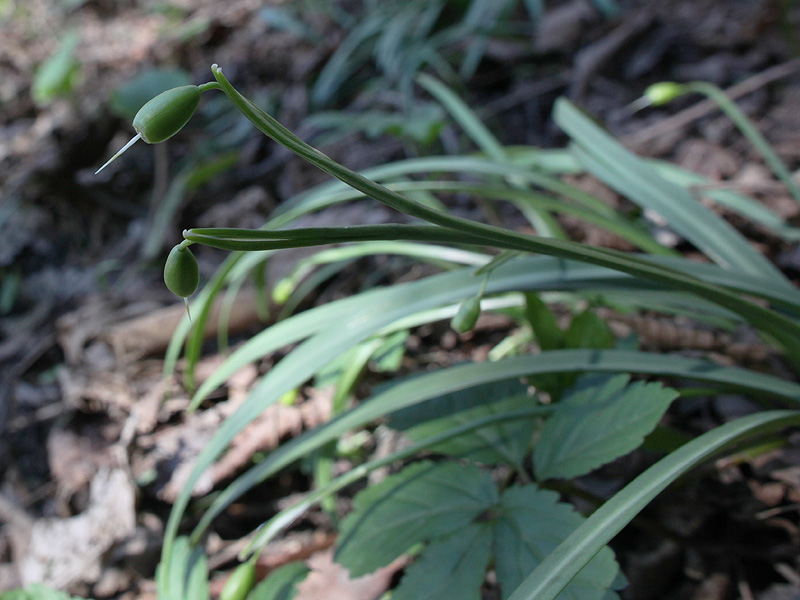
[{"x": 85, "y": 318}]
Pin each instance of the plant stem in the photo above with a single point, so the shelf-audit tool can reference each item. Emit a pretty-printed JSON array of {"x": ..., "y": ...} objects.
[{"x": 784, "y": 330}]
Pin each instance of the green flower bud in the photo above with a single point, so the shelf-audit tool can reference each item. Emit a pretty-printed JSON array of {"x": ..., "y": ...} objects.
[
  {"x": 466, "y": 317},
  {"x": 166, "y": 114},
  {"x": 239, "y": 583},
  {"x": 663, "y": 92},
  {"x": 162, "y": 117},
  {"x": 181, "y": 273}
]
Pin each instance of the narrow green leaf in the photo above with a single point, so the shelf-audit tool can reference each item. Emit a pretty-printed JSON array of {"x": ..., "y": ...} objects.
[
  {"x": 750, "y": 131},
  {"x": 749, "y": 208},
  {"x": 422, "y": 502},
  {"x": 464, "y": 115},
  {"x": 389, "y": 355},
  {"x": 641, "y": 183},
  {"x": 595, "y": 425},
  {"x": 197, "y": 581}
]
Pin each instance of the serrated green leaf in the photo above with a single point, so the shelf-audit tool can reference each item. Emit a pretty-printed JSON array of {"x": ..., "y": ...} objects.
[
  {"x": 548, "y": 333},
  {"x": 496, "y": 443},
  {"x": 389, "y": 356},
  {"x": 531, "y": 525},
  {"x": 452, "y": 569},
  {"x": 556, "y": 572},
  {"x": 595, "y": 425},
  {"x": 450, "y": 404},
  {"x": 280, "y": 584},
  {"x": 587, "y": 330},
  {"x": 422, "y": 502}
]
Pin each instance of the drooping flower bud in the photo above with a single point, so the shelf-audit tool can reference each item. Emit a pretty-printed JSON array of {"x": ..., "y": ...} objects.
[
  {"x": 166, "y": 114},
  {"x": 162, "y": 117},
  {"x": 181, "y": 273},
  {"x": 467, "y": 316}
]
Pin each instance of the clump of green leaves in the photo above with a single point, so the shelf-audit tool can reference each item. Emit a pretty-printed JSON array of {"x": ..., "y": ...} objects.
[
  {"x": 454, "y": 517},
  {"x": 465, "y": 522}
]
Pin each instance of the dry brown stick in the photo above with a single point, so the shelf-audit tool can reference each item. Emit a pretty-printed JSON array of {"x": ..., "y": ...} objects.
[{"x": 705, "y": 107}]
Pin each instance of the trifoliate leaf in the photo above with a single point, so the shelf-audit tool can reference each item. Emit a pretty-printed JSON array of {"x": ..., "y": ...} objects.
[
  {"x": 587, "y": 330},
  {"x": 595, "y": 425},
  {"x": 532, "y": 523},
  {"x": 424, "y": 501},
  {"x": 452, "y": 569}
]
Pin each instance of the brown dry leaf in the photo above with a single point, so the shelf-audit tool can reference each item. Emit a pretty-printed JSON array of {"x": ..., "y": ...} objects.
[
  {"x": 74, "y": 460},
  {"x": 62, "y": 552},
  {"x": 332, "y": 582},
  {"x": 266, "y": 432},
  {"x": 791, "y": 477},
  {"x": 178, "y": 447}
]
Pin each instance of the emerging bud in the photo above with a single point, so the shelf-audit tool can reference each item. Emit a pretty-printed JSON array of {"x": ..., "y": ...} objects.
[
  {"x": 663, "y": 92},
  {"x": 239, "y": 583},
  {"x": 283, "y": 290}
]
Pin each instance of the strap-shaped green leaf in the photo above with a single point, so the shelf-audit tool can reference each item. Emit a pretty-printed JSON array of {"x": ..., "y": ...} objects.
[{"x": 632, "y": 176}]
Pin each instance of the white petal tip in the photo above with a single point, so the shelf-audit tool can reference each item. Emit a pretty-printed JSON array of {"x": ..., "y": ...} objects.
[{"x": 133, "y": 140}]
